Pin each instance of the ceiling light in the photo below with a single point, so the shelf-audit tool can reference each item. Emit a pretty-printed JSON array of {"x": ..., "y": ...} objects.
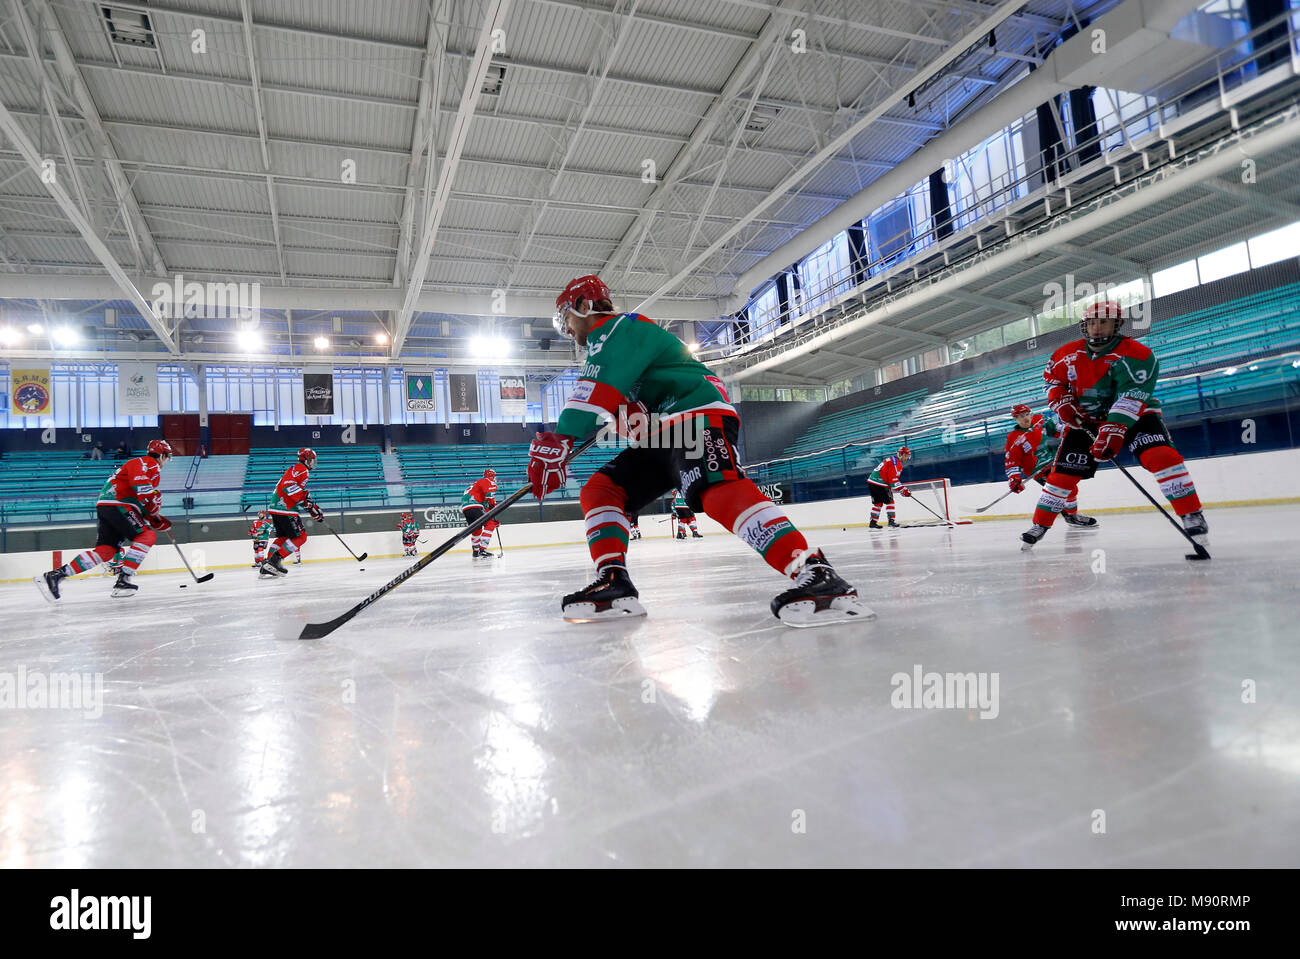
[
  {"x": 321, "y": 343},
  {"x": 693, "y": 347},
  {"x": 66, "y": 336},
  {"x": 249, "y": 340},
  {"x": 489, "y": 347},
  {"x": 9, "y": 336},
  {"x": 35, "y": 329},
  {"x": 381, "y": 338}
]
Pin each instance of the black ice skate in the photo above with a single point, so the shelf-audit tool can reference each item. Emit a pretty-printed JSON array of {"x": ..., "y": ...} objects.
[
  {"x": 1031, "y": 536},
  {"x": 874, "y": 525},
  {"x": 273, "y": 566},
  {"x": 1195, "y": 525},
  {"x": 681, "y": 532},
  {"x": 48, "y": 584},
  {"x": 123, "y": 587},
  {"x": 634, "y": 533},
  {"x": 819, "y": 597},
  {"x": 611, "y": 596},
  {"x": 696, "y": 534},
  {"x": 894, "y": 525},
  {"x": 1079, "y": 520}
]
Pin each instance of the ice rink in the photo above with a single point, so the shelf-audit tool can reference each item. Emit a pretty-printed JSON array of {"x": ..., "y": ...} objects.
[{"x": 460, "y": 721}]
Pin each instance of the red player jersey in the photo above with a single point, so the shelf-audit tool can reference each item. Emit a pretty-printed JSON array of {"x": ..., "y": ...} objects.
[
  {"x": 134, "y": 485},
  {"x": 291, "y": 491},
  {"x": 888, "y": 473},
  {"x": 1029, "y": 450},
  {"x": 1115, "y": 385},
  {"x": 481, "y": 493}
]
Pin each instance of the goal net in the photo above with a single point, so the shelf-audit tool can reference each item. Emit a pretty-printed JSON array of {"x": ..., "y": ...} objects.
[{"x": 929, "y": 505}]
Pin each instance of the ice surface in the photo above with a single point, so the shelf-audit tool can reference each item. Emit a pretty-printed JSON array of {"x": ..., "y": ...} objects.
[{"x": 461, "y": 721}]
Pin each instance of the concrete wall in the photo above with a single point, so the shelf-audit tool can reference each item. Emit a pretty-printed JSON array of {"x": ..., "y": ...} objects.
[{"x": 1225, "y": 480}]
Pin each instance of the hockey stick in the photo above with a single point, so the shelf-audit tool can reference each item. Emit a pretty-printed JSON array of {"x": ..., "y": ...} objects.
[
  {"x": 345, "y": 545},
  {"x": 1037, "y": 474},
  {"x": 501, "y": 550},
  {"x": 319, "y": 630},
  {"x": 198, "y": 579},
  {"x": 1201, "y": 551}
]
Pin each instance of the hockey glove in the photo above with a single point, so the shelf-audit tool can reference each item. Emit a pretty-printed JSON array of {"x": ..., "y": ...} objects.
[
  {"x": 546, "y": 468},
  {"x": 1109, "y": 441},
  {"x": 159, "y": 522},
  {"x": 1070, "y": 414},
  {"x": 1017, "y": 483},
  {"x": 904, "y": 491},
  {"x": 315, "y": 511}
]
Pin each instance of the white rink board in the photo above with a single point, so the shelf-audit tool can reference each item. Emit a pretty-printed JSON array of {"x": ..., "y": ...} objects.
[{"x": 1225, "y": 479}]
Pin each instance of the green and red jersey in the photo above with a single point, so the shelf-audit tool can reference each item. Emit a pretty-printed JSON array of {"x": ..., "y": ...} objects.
[
  {"x": 888, "y": 473},
  {"x": 260, "y": 529},
  {"x": 631, "y": 358},
  {"x": 291, "y": 491},
  {"x": 480, "y": 493},
  {"x": 1113, "y": 385},
  {"x": 1028, "y": 451},
  {"x": 134, "y": 485}
]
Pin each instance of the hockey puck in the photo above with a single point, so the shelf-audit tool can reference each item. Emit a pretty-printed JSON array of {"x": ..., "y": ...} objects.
[
  {"x": 183, "y": 585},
  {"x": 363, "y": 569}
]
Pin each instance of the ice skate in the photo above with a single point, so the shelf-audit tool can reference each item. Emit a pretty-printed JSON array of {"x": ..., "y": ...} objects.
[
  {"x": 1031, "y": 536},
  {"x": 611, "y": 596},
  {"x": 634, "y": 533},
  {"x": 1197, "y": 528},
  {"x": 273, "y": 566},
  {"x": 123, "y": 587},
  {"x": 48, "y": 584},
  {"x": 695, "y": 534},
  {"x": 893, "y": 524},
  {"x": 874, "y": 525},
  {"x": 1079, "y": 520},
  {"x": 819, "y": 597}
]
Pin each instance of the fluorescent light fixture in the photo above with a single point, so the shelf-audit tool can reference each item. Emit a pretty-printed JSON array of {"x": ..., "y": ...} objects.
[
  {"x": 322, "y": 343},
  {"x": 9, "y": 336},
  {"x": 381, "y": 338},
  {"x": 35, "y": 329},
  {"x": 66, "y": 336},
  {"x": 249, "y": 340}
]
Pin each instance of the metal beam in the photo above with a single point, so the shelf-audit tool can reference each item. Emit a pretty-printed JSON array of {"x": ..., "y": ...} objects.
[
  {"x": 1004, "y": 10},
  {"x": 911, "y": 334},
  {"x": 69, "y": 71},
  {"x": 9, "y": 124},
  {"x": 423, "y": 139},
  {"x": 1270, "y": 204},
  {"x": 247, "y": 14},
  {"x": 1006, "y": 306},
  {"x": 473, "y": 90},
  {"x": 1115, "y": 262}
]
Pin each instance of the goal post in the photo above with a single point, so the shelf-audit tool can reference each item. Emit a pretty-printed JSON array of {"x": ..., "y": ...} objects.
[{"x": 936, "y": 494}]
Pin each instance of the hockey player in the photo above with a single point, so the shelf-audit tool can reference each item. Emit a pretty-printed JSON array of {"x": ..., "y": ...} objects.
[
  {"x": 291, "y": 493},
  {"x": 884, "y": 481},
  {"x": 1030, "y": 449},
  {"x": 633, "y": 526},
  {"x": 260, "y": 531},
  {"x": 634, "y": 364},
  {"x": 410, "y": 530},
  {"x": 685, "y": 517},
  {"x": 478, "y": 498},
  {"x": 1102, "y": 389},
  {"x": 128, "y": 513}
]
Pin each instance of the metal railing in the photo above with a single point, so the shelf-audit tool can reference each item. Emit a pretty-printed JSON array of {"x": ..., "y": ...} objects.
[{"x": 1219, "y": 80}]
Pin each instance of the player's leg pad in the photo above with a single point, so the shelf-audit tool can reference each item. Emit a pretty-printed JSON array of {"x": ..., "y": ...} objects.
[
  {"x": 819, "y": 597},
  {"x": 611, "y": 596}
]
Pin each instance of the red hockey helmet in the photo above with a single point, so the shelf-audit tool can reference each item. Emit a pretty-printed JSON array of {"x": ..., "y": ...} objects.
[
  {"x": 1020, "y": 409},
  {"x": 589, "y": 288},
  {"x": 490, "y": 473},
  {"x": 1106, "y": 309},
  {"x": 307, "y": 457},
  {"x": 904, "y": 451},
  {"x": 159, "y": 448}
]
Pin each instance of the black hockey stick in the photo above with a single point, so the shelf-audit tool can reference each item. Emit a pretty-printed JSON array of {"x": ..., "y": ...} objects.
[
  {"x": 1201, "y": 551},
  {"x": 319, "y": 630},
  {"x": 501, "y": 550},
  {"x": 198, "y": 579},
  {"x": 931, "y": 512},
  {"x": 1037, "y": 473},
  {"x": 345, "y": 545}
]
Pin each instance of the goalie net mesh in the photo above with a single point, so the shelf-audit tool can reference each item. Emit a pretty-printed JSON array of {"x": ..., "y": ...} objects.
[{"x": 933, "y": 493}]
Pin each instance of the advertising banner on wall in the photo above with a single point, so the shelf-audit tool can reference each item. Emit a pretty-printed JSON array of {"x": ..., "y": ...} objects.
[
  {"x": 419, "y": 392},
  {"x": 464, "y": 392},
  {"x": 318, "y": 394},
  {"x": 137, "y": 389},
  {"x": 30, "y": 393},
  {"x": 513, "y": 395}
]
